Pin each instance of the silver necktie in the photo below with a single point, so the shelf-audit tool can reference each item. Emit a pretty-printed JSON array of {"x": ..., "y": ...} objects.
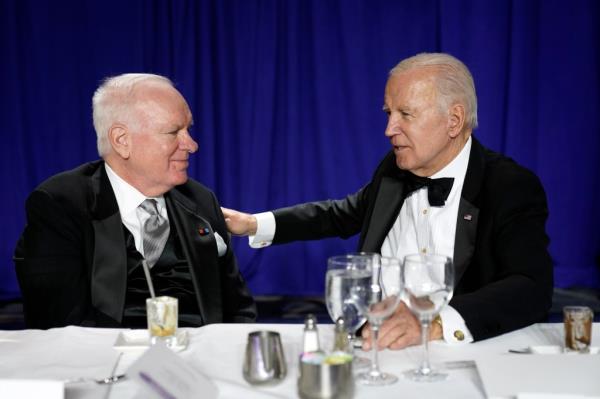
[{"x": 155, "y": 232}]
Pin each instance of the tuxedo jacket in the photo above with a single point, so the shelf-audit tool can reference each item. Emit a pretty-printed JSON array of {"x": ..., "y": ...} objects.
[
  {"x": 503, "y": 272},
  {"x": 71, "y": 260}
]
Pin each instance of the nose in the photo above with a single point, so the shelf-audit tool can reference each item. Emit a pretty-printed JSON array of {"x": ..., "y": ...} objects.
[
  {"x": 187, "y": 143},
  {"x": 393, "y": 126}
]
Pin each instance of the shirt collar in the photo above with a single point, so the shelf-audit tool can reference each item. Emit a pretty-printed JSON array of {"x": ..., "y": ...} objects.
[
  {"x": 128, "y": 197},
  {"x": 457, "y": 168}
]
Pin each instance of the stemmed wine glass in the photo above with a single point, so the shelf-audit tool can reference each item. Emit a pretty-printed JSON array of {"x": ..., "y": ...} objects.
[
  {"x": 428, "y": 284},
  {"x": 383, "y": 297},
  {"x": 346, "y": 284}
]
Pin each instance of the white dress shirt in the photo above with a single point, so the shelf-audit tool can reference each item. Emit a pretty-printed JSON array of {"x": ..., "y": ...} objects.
[
  {"x": 134, "y": 217},
  {"x": 419, "y": 228},
  {"x": 129, "y": 200}
]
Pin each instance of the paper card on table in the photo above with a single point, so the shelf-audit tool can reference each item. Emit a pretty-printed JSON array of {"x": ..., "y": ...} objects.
[
  {"x": 27, "y": 389},
  {"x": 515, "y": 375},
  {"x": 162, "y": 374}
]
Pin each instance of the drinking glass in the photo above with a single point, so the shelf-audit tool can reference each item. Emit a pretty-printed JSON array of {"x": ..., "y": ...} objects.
[
  {"x": 383, "y": 297},
  {"x": 346, "y": 284},
  {"x": 162, "y": 313},
  {"x": 428, "y": 284},
  {"x": 578, "y": 328},
  {"x": 264, "y": 362}
]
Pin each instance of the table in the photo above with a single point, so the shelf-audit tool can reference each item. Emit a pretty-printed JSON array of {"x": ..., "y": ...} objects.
[{"x": 217, "y": 351}]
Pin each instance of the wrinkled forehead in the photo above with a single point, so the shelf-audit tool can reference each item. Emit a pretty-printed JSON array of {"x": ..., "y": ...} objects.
[{"x": 412, "y": 85}]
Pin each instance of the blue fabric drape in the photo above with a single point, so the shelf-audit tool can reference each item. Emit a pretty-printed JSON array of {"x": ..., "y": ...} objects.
[{"x": 287, "y": 99}]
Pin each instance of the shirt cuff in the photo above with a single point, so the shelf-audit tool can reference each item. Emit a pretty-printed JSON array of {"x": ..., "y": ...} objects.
[
  {"x": 265, "y": 230},
  {"x": 454, "y": 328}
]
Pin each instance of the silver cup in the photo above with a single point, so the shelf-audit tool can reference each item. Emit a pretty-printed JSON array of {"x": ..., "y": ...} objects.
[
  {"x": 264, "y": 362},
  {"x": 325, "y": 381}
]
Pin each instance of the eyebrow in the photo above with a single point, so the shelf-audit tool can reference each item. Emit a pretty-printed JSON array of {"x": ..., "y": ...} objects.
[
  {"x": 176, "y": 128},
  {"x": 169, "y": 131}
]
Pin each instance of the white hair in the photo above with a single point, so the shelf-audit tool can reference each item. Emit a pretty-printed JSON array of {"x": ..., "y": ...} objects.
[
  {"x": 112, "y": 103},
  {"x": 454, "y": 82}
]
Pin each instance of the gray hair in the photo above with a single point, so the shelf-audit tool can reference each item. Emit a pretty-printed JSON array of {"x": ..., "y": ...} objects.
[
  {"x": 112, "y": 103},
  {"x": 454, "y": 81}
]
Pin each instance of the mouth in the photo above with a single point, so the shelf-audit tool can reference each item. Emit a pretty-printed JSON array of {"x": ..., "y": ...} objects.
[{"x": 183, "y": 163}]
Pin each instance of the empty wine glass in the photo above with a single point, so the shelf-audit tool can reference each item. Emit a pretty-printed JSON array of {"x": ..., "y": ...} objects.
[
  {"x": 346, "y": 284},
  {"x": 383, "y": 297},
  {"x": 428, "y": 284}
]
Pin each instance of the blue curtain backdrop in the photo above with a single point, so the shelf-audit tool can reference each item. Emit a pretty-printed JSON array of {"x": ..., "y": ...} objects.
[{"x": 287, "y": 99}]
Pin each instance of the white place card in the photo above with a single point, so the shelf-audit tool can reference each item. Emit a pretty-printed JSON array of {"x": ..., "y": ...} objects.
[
  {"x": 162, "y": 374},
  {"x": 27, "y": 389},
  {"x": 533, "y": 376}
]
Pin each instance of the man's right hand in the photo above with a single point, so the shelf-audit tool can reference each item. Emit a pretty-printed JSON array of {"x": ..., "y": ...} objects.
[{"x": 239, "y": 223}]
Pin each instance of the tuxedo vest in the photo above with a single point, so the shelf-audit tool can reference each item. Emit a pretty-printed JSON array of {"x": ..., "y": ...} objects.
[{"x": 170, "y": 275}]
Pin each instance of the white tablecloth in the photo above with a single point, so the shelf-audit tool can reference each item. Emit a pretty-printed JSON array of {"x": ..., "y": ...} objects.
[{"x": 217, "y": 351}]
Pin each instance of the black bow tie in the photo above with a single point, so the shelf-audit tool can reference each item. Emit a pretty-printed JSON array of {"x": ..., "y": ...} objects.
[{"x": 437, "y": 189}]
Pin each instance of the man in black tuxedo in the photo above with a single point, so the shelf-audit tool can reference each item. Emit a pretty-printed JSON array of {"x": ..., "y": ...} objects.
[
  {"x": 79, "y": 260},
  {"x": 488, "y": 213}
]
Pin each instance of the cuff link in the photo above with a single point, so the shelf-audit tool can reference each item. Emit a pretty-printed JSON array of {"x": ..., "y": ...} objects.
[
  {"x": 459, "y": 335},
  {"x": 438, "y": 320}
]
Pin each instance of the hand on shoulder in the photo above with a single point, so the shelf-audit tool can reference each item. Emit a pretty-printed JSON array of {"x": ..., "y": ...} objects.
[{"x": 239, "y": 223}]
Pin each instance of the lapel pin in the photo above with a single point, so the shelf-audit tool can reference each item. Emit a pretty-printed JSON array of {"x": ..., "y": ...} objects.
[
  {"x": 203, "y": 231},
  {"x": 468, "y": 217}
]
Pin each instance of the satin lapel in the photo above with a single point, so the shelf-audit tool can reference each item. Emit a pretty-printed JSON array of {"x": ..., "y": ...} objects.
[
  {"x": 200, "y": 249},
  {"x": 385, "y": 211},
  {"x": 466, "y": 233},
  {"x": 109, "y": 269},
  {"x": 468, "y": 212}
]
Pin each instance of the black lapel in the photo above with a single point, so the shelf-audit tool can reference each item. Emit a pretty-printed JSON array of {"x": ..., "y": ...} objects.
[
  {"x": 468, "y": 212},
  {"x": 385, "y": 211},
  {"x": 464, "y": 241},
  {"x": 109, "y": 268},
  {"x": 200, "y": 249}
]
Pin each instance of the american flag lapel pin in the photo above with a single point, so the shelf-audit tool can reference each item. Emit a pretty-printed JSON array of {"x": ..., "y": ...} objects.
[
  {"x": 468, "y": 217},
  {"x": 203, "y": 231}
]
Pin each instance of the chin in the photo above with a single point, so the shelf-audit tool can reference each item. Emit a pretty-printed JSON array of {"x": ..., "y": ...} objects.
[
  {"x": 402, "y": 164},
  {"x": 180, "y": 179}
]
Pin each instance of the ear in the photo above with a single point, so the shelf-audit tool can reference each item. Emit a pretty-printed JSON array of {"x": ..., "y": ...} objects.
[
  {"x": 119, "y": 139},
  {"x": 456, "y": 119}
]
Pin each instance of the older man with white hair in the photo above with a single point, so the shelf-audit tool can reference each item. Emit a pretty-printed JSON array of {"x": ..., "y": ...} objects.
[
  {"x": 438, "y": 191},
  {"x": 90, "y": 230}
]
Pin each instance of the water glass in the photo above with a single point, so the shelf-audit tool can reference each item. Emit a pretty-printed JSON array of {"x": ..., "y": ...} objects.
[
  {"x": 162, "y": 313},
  {"x": 383, "y": 297},
  {"x": 346, "y": 284},
  {"x": 428, "y": 284}
]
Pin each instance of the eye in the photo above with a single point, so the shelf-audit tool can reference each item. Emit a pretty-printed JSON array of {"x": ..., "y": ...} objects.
[{"x": 172, "y": 132}]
